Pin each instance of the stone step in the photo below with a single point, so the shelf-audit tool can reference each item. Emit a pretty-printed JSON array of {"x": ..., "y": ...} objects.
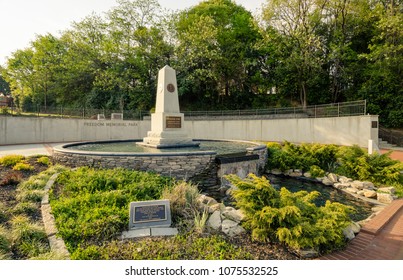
[{"x": 384, "y": 144}]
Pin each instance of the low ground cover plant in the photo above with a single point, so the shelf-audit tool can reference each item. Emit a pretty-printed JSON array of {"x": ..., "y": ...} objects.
[{"x": 11, "y": 160}]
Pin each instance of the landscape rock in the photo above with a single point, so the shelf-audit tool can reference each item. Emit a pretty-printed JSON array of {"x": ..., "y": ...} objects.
[
  {"x": 361, "y": 192},
  {"x": 307, "y": 175},
  {"x": 231, "y": 228},
  {"x": 294, "y": 173},
  {"x": 327, "y": 182},
  {"x": 233, "y": 214},
  {"x": 344, "y": 179},
  {"x": 351, "y": 190},
  {"x": 341, "y": 186},
  {"x": 384, "y": 198},
  {"x": 348, "y": 233},
  {"x": 357, "y": 184},
  {"x": 214, "y": 221},
  {"x": 355, "y": 227},
  {"x": 276, "y": 172},
  {"x": 332, "y": 177},
  {"x": 370, "y": 194},
  {"x": 308, "y": 253},
  {"x": 389, "y": 190},
  {"x": 368, "y": 185}
]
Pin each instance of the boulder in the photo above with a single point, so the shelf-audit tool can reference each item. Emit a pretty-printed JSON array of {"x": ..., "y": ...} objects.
[
  {"x": 341, "y": 186},
  {"x": 355, "y": 227},
  {"x": 361, "y": 192},
  {"x": 348, "y": 233},
  {"x": 357, "y": 184},
  {"x": 214, "y": 221},
  {"x": 351, "y": 190},
  {"x": 384, "y": 198},
  {"x": 214, "y": 207},
  {"x": 294, "y": 173},
  {"x": 332, "y": 177},
  {"x": 307, "y": 175},
  {"x": 327, "y": 182},
  {"x": 368, "y": 185},
  {"x": 231, "y": 228},
  {"x": 276, "y": 172},
  {"x": 344, "y": 179},
  {"x": 389, "y": 190},
  {"x": 308, "y": 253},
  {"x": 233, "y": 214},
  {"x": 370, "y": 193}
]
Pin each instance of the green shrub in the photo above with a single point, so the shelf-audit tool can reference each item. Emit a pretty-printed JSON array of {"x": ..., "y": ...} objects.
[
  {"x": 379, "y": 169},
  {"x": 23, "y": 166},
  {"x": 290, "y": 218},
  {"x": 44, "y": 160},
  {"x": 11, "y": 160},
  {"x": 316, "y": 171}
]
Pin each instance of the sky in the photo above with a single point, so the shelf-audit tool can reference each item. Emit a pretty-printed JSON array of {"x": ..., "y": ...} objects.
[{"x": 22, "y": 20}]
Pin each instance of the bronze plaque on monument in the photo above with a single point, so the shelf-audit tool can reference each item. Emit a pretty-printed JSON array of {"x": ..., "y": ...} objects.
[{"x": 173, "y": 122}]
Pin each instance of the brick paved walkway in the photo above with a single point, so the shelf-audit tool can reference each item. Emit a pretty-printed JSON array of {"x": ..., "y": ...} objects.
[
  {"x": 396, "y": 154},
  {"x": 380, "y": 239}
]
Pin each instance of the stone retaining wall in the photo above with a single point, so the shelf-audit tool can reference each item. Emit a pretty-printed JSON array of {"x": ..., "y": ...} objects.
[
  {"x": 199, "y": 167},
  {"x": 177, "y": 166}
]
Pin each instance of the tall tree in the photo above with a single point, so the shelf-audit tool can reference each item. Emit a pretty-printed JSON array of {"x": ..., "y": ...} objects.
[
  {"x": 216, "y": 44},
  {"x": 383, "y": 86},
  {"x": 299, "y": 21}
]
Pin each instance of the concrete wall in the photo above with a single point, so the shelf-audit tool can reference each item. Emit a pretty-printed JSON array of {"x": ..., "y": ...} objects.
[{"x": 341, "y": 131}]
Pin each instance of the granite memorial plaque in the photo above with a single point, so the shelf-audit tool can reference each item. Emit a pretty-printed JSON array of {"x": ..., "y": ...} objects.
[{"x": 154, "y": 213}]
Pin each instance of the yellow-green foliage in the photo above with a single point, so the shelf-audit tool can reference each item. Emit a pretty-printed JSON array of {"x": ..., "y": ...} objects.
[
  {"x": 43, "y": 160},
  {"x": 23, "y": 166},
  {"x": 11, "y": 160},
  {"x": 379, "y": 169},
  {"x": 291, "y": 218},
  {"x": 292, "y": 156}
]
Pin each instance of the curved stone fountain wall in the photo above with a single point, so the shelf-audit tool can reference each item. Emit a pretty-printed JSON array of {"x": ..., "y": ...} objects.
[{"x": 201, "y": 167}]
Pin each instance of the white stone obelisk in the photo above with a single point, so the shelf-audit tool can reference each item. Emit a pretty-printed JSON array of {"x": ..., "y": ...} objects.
[{"x": 167, "y": 123}]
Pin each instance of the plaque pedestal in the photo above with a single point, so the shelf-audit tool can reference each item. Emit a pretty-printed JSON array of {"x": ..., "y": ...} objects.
[{"x": 167, "y": 123}]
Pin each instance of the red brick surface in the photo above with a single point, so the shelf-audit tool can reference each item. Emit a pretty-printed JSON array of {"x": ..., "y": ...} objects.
[{"x": 379, "y": 239}]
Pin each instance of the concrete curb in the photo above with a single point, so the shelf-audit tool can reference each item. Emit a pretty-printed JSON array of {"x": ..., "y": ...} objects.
[{"x": 57, "y": 244}]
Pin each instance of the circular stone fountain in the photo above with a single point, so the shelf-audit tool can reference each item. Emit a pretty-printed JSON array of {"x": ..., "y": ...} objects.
[
  {"x": 204, "y": 164},
  {"x": 167, "y": 149}
]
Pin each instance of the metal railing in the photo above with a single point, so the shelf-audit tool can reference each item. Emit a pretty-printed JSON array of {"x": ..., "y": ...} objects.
[
  {"x": 392, "y": 136},
  {"x": 342, "y": 109}
]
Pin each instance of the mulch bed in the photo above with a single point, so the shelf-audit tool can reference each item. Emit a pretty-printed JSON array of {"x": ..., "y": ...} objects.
[{"x": 8, "y": 191}]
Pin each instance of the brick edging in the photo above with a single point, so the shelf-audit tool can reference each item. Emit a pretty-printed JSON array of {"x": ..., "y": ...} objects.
[
  {"x": 56, "y": 243},
  {"x": 376, "y": 224}
]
